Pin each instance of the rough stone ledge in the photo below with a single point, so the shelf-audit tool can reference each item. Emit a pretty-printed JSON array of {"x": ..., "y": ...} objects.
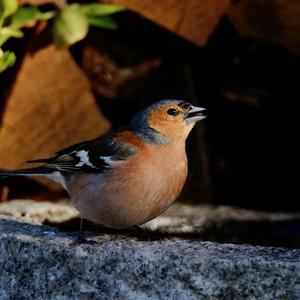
[{"x": 39, "y": 262}]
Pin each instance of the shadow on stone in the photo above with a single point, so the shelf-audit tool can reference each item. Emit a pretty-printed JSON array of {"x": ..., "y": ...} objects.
[{"x": 279, "y": 233}]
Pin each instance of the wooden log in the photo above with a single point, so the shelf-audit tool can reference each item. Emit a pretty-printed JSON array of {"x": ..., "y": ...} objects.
[
  {"x": 195, "y": 20},
  {"x": 50, "y": 106},
  {"x": 110, "y": 80},
  {"x": 277, "y": 21}
]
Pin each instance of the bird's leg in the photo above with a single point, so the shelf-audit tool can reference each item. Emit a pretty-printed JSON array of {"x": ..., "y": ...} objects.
[
  {"x": 80, "y": 227},
  {"x": 81, "y": 232},
  {"x": 81, "y": 238}
]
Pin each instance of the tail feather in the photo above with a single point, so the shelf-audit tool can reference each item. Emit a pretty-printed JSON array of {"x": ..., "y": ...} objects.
[
  {"x": 41, "y": 160},
  {"x": 28, "y": 172}
]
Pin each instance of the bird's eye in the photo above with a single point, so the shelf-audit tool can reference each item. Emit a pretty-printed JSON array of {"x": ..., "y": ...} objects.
[{"x": 172, "y": 112}]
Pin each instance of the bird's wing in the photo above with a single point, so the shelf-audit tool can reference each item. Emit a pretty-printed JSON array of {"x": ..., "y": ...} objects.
[{"x": 92, "y": 156}]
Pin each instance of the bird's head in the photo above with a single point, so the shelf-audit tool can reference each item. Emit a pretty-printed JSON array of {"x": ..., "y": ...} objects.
[{"x": 167, "y": 121}]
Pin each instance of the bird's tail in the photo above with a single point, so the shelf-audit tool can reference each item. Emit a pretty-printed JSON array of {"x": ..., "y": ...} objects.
[{"x": 39, "y": 171}]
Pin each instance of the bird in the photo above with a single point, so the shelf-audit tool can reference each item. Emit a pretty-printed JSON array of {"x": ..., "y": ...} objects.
[{"x": 129, "y": 175}]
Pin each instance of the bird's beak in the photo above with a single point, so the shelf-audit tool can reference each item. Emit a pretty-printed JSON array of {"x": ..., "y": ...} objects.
[{"x": 195, "y": 114}]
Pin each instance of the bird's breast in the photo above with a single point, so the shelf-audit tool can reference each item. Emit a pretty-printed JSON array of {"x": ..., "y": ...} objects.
[{"x": 135, "y": 191}]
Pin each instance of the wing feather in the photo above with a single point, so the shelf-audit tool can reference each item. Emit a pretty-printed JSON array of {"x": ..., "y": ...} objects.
[{"x": 92, "y": 156}]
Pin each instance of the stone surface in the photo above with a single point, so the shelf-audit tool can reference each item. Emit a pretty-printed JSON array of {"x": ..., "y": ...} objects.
[
  {"x": 39, "y": 211},
  {"x": 182, "y": 218},
  {"x": 39, "y": 262},
  {"x": 201, "y": 222}
]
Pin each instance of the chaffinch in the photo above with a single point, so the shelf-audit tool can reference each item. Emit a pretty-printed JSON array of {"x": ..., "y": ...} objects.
[{"x": 130, "y": 175}]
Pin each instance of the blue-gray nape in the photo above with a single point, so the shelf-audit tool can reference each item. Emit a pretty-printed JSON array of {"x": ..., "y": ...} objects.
[{"x": 141, "y": 127}]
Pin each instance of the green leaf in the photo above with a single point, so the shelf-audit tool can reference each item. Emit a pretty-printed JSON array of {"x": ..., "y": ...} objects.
[
  {"x": 24, "y": 15},
  {"x": 7, "y": 59},
  {"x": 8, "y": 7},
  {"x": 100, "y": 9},
  {"x": 47, "y": 15},
  {"x": 103, "y": 22},
  {"x": 10, "y": 32},
  {"x": 70, "y": 26}
]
